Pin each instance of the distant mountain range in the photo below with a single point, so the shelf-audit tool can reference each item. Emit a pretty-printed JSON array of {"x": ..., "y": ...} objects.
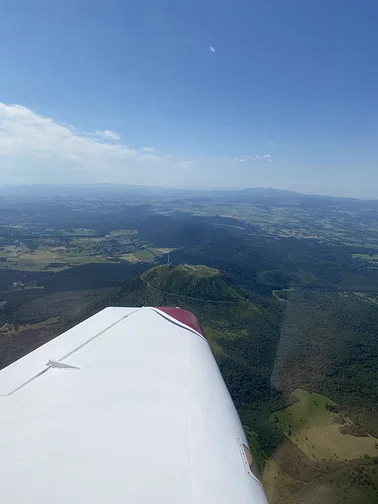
[{"x": 255, "y": 194}]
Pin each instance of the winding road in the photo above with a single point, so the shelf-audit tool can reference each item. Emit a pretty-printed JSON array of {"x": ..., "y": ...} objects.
[{"x": 185, "y": 296}]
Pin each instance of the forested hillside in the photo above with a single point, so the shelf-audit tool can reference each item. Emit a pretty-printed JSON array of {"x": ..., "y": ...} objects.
[
  {"x": 329, "y": 343},
  {"x": 193, "y": 281}
]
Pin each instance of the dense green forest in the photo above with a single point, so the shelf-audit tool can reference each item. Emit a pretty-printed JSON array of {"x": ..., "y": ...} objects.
[{"x": 328, "y": 343}]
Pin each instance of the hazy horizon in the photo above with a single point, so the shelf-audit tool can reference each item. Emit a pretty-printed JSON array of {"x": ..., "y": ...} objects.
[
  {"x": 206, "y": 94},
  {"x": 179, "y": 188}
]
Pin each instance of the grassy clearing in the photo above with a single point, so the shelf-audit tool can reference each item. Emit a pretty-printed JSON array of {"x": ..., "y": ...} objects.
[
  {"x": 312, "y": 428},
  {"x": 58, "y": 253},
  {"x": 199, "y": 270},
  {"x": 53, "y": 259},
  {"x": 211, "y": 338},
  {"x": 328, "y": 443},
  {"x": 161, "y": 251},
  {"x": 39, "y": 260},
  {"x": 12, "y": 329},
  {"x": 144, "y": 255},
  {"x": 308, "y": 411},
  {"x": 11, "y": 250},
  {"x": 84, "y": 244},
  {"x": 130, "y": 258},
  {"x": 119, "y": 233}
]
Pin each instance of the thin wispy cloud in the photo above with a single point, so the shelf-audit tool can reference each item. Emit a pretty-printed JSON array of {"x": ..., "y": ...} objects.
[
  {"x": 242, "y": 159},
  {"x": 211, "y": 49},
  {"x": 148, "y": 149},
  {"x": 106, "y": 134}
]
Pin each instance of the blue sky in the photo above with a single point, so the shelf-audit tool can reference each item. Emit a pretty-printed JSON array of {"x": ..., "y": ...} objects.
[{"x": 131, "y": 92}]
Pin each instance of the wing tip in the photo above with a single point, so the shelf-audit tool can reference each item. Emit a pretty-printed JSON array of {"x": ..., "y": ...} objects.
[{"x": 184, "y": 316}]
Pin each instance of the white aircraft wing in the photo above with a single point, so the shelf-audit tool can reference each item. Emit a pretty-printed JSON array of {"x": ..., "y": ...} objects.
[{"x": 127, "y": 407}]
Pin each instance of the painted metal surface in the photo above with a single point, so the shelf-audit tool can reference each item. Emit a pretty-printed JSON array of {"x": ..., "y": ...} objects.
[
  {"x": 184, "y": 316},
  {"x": 141, "y": 415}
]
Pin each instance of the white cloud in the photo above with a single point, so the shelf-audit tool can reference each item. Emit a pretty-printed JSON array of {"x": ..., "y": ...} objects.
[
  {"x": 38, "y": 149},
  {"x": 211, "y": 49},
  {"x": 267, "y": 156},
  {"x": 23, "y": 133},
  {"x": 107, "y": 134}
]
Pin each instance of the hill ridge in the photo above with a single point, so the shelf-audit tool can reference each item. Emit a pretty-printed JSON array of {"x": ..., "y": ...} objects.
[{"x": 196, "y": 282}]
